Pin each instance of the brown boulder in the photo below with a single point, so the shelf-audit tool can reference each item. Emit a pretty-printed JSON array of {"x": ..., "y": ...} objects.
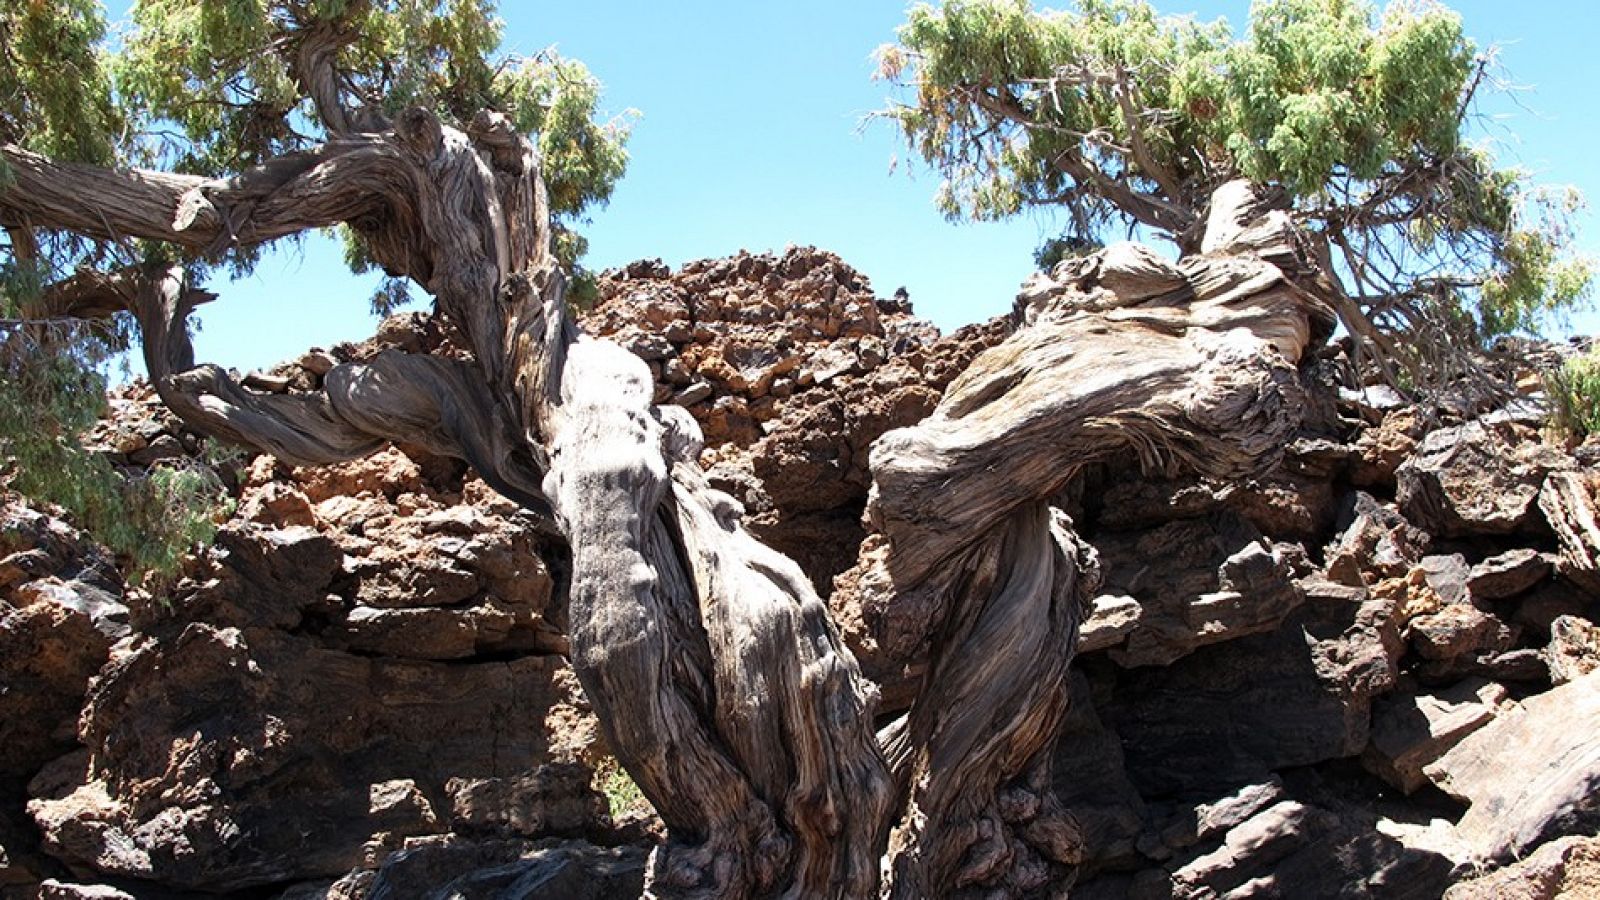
[
  {"x": 1480, "y": 478},
  {"x": 1217, "y": 580},
  {"x": 1507, "y": 574},
  {"x": 1568, "y": 503},
  {"x": 227, "y": 758},
  {"x": 1530, "y": 775},
  {"x": 1574, "y": 649},
  {"x": 1232, "y": 713},
  {"x": 1410, "y": 731},
  {"x": 1564, "y": 869}
]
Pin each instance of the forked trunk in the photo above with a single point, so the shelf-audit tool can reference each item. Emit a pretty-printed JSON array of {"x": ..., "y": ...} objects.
[{"x": 720, "y": 682}]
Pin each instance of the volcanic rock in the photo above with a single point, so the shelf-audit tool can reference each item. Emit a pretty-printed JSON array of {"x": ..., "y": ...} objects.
[{"x": 1530, "y": 775}]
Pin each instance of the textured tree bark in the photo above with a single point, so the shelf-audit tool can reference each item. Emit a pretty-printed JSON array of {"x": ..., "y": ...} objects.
[
  {"x": 719, "y": 680},
  {"x": 721, "y": 684},
  {"x": 1187, "y": 365}
]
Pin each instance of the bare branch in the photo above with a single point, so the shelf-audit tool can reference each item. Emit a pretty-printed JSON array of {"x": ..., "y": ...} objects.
[
  {"x": 1125, "y": 92},
  {"x": 1152, "y": 210}
]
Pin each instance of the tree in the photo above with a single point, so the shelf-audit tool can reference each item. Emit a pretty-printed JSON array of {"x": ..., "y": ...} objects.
[
  {"x": 191, "y": 91},
  {"x": 1121, "y": 118},
  {"x": 719, "y": 681},
  {"x": 55, "y": 98}
]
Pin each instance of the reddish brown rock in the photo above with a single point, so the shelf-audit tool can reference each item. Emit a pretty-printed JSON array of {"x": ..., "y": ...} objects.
[
  {"x": 1508, "y": 574},
  {"x": 1410, "y": 731},
  {"x": 1380, "y": 451},
  {"x": 1378, "y": 543},
  {"x": 56, "y": 631},
  {"x": 1574, "y": 649},
  {"x": 1457, "y": 630},
  {"x": 1484, "y": 477},
  {"x": 1217, "y": 581},
  {"x": 363, "y": 677},
  {"x": 1568, "y": 503},
  {"x": 1564, "y": 869},
  {"x": 230, "y": 758}
]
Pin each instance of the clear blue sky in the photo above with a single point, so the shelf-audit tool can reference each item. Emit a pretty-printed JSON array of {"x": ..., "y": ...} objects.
[{"x": 750, "y": 138}]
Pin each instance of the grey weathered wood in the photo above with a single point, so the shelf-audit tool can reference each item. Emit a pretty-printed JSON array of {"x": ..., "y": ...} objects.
[
  {"x": 719, "y": 681},
  {"x": 1189, "y": 365}
]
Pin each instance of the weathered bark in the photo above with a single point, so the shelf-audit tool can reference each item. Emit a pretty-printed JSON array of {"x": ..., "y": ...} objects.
[
  {"x": 720, "y": 682},
  {"x": 1567, "y": 500},
  {"x": 722, "y": 685},
  {"x": 1189, "y": 365}
]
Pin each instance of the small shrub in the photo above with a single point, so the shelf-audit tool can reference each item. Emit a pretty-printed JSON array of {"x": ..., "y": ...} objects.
[
  {"x": 48, "y": 401},
  {"x": 1574, "y": 392},
  {"x": 622, "y": 794}
]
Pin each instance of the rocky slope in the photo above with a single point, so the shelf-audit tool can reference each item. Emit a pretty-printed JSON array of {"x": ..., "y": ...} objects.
[{"x": 1370, "y": 674}]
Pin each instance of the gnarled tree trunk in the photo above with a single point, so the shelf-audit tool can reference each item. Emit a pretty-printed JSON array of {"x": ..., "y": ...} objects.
[
  {"x": 721, "y": 684},
  {"x": 1183, "y": 365}
]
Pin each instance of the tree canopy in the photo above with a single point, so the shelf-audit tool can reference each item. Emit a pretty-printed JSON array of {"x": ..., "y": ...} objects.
[
  {"x": 719, "y": 678},
  {"x": 1123, "y": 117},
  {"x": 217, "y": 89}
]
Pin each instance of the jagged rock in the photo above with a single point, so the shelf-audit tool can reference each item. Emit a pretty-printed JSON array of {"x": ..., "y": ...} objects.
[
  {"x": 1231, "y": 714},
  {"x": 1563, "y": 869},
  {"x": 54, "y": 636},
  {"x": 1410, "y": 731},
  {"x": 1567, "y": 501},
  {"x": 555, "y": 798},
  {"x": 510, "y": 870},
  {"x": 1196, "y": 823},
  {"x": 51, "y": 889},
  {"x": 1261, "y": 843},
  {"x": 1136, "y": 503},
  {"x": 1574, "y": 649},
  {"x": 278, "y": 504},
  {"x": 1380, "y": 451},
  {"x": 1288, "y": 507},
  {"x": 164, "y": 447},
  {"x": 1457, "y": 630},
  {"x": 1378, "y": 543},
  {"x": 1530, "y": 775},
  {"x": 367, "y": 659},
  {"x": 1250, "y": 850},
  {"x": 1112, "y": 619},
  {"x": 1478, "y": 478},
  {"x": 1508, "y": 574},
  {"x": 413, "y": 633},
  {"x": 1217, "y": 581},
  {"x": 1522, "y": 665},
  {"x": 260, "y": 576},
  {"x": 229, "y": 758},
  {"x": 741, "y": 324},
  {"x": 388, "y": 473},
  {"x": 1447, "y": 575},
  {"x": 1557, "y": 597},
  {"x": 792, "y": 368}
]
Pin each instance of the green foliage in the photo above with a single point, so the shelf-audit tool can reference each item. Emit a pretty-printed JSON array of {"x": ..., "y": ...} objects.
[
  {"x": 621, "y": 793},
  {"x": 1574, "y": 396},
  {"x": 214, "y": 87},
  {"x": 49, "y": 398},
  {"x": 224, "y": 74},
  {"x": 55, "y": 94},
  {"x": 1124, "y": 117}
]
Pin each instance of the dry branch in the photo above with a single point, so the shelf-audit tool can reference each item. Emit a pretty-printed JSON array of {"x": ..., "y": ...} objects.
[{"x": 718, "y": 678}]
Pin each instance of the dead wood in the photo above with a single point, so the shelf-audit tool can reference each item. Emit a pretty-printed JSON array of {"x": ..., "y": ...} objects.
[{"x": 719, "y": 680}]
